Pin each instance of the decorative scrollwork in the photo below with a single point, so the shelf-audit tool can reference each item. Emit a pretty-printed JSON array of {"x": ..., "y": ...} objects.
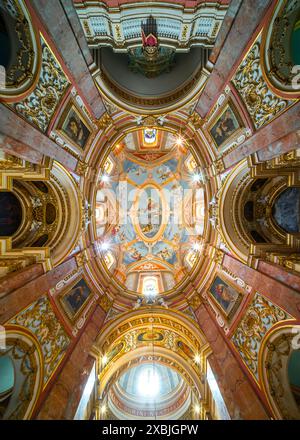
[
  {"x": 22, "y": 71},
  {"x": 39, "y": 107},
  {"x": 40, "y": 319},
  {"x": 261, "y": 315},
  {"x": 262, "y": 104}
]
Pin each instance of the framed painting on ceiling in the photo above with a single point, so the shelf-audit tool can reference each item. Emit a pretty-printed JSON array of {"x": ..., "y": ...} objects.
[
  {"x": 226, "y": 126},
  {"x": 74, "y": 127},
  {"x": 226, "y": 297},
  {"x": 74, "y": 299}
]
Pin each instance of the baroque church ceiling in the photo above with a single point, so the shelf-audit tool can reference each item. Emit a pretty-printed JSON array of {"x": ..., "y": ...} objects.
[{"x": 150, "y": 209}]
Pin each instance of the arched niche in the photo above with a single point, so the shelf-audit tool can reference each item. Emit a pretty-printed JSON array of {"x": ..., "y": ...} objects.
[
  {"x": 175, "y": 338},
  {"x": 11, "y": 214},
  {"x": 286, "y": 210},
  {"x": 7, "y": 382},
  {"x": 262, "y": 207},
  {"x": 281, "y": 42},
  {"x": 294, "y": 375},
  {"x": 54, "y": 213},
  {"x": 279, "y": 359},
  {"x": 51, "y": 218},
  {"x": 123, "y": 400},
  {"x": 21, "y": 374},
  {"x": 20, "y": 49},
  {"x": 237, "y": 242},
  {"x": 69, "y": 213}
]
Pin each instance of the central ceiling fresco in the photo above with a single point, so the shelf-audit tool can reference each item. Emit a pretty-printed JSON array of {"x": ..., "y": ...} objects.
[{"x": 150, "y": 210}]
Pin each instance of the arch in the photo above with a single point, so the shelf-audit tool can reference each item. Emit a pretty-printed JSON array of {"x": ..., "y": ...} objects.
[
  {"x": 265, "y": 211},
  {"x": 274, "y": 359},
  {"x": 286, "y": 210},
  {"x": 21, "y": 56},
  {"x": 52, "y": 217},
  {"x": 11, "y": 213},
  {"x": 280, "y": 49},
  {"x": 132, "y": 336},
  {"x": 228, "y": 218},
  {"x": 7, "y": 382},
  {"x": 68, "y": 213},
  {"x": 189, "y": 382},
  {"x": 22, "y": 353}
]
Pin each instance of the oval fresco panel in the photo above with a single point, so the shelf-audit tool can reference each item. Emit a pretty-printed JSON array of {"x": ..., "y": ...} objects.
[
  {"x": 150, "y": 212},
  {"x": 150, "y": 336}
]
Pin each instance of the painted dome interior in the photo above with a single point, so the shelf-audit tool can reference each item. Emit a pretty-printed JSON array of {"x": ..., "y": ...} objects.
[
  {"x": 149, "y": 210},
  {"x": 148, "y": 381},
  {"x": 146, "y": 389}
]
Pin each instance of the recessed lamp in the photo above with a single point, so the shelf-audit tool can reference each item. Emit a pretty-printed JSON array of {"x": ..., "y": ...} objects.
[
  {"x": 196, "y": 247},
  {"x": 105, "y": 178},
  {"x": 179, "y": 141},
  {"x": 104, "y": 246},
  {"x": 197, "y": 408},
  {"x": 196, "y": 177},
  {"x": 197, "y": 359}
]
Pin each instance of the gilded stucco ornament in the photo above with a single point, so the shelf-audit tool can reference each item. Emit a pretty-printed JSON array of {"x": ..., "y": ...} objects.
[
  {"x": 262, "y": 104},
  {"x": 41, "y": 320},
  {"x": 260, "y": 316},
  {"x": 39, "y": 107},
  {"x": 275, "y": 357}
]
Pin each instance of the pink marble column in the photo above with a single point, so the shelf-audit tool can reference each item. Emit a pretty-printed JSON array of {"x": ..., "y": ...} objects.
[
  {"x": 64, "y": 33},
  {"x": 249, "y": 16},
  {"x": 239, "y": 396},
  {"x": 24, "y": 133},
  {"x": 20, "y": 149},
  {"x": 278, "y": 273},
  {"x": 278, "y": 137},
  {"x": 229, "y": 18},
  {"x": 64, "y": 397},
  {"x": 281, "y": 287},
  {"x": 19, "y": 279},
  {"x": 287, "y": 143},
  {"x": 24, "y": 295}
]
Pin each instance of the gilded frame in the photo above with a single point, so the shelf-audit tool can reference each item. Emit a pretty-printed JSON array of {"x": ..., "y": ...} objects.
[
  {"x": 237, "y": 302},
  {"x": 65, "y": 308},
  {"x": 71, "y": 107},
  {"x": 229, "y": 105}
]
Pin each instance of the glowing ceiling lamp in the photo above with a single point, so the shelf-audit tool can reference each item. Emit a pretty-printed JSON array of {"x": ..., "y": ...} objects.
[
  {"x": 105, "y": 178},
  {"x": 104, "y": 246},
  {"x": 148, "y": 382},
  {"x": 197, "y": 359},
  {"x": 197, "y": 177},
  {"x": 197, "y": 409},
  {"x": 196, "y": 247},
  {"x": 104, "y": 360},
  {"x": 179, "y": 141}
]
